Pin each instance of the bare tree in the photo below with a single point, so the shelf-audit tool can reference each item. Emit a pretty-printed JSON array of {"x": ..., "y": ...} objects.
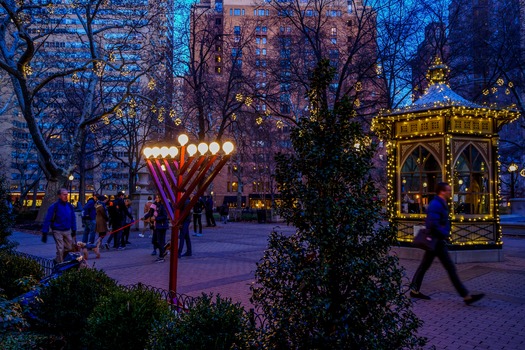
[{"x": 103, "y": 68}]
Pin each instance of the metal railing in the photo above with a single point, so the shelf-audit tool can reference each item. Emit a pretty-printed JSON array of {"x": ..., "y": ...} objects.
[{"x": 177, "y": 301}]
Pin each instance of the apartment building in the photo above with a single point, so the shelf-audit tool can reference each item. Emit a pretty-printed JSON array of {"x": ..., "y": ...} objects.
[{"x": 268, "y": 49}]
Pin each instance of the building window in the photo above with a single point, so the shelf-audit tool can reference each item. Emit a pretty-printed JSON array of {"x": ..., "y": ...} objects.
[
  {"x": 237, "y": 30},
  {"x": 333, "y": 31}
]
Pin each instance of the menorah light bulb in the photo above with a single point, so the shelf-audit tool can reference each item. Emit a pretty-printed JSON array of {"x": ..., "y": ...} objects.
[
  {"x": 147, "y": 152},
  {"x": 173, "y": 151},
  {"x": 183, "y": 139},
  {"x": 227, "y": 147},
  {"x": 214, "y": 147},
  {"x": 203, "y": 148},
  {"x": 155, "y": 151},
  {"x": 164, "y": 151},
  {"x": 192, "y": 149}
]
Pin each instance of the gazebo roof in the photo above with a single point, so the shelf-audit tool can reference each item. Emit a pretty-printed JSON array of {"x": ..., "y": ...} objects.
[{"x": 440, "y": 96}]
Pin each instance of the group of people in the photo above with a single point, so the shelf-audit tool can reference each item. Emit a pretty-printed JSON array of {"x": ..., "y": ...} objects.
[
  {"x": 100, "y": 216},
  {"x": 113, "y": 217},
  {"x": 156, "y": 220}
]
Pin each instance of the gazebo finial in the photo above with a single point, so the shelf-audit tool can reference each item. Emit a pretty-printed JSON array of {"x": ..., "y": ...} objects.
[{"x": 437, "y": 72}]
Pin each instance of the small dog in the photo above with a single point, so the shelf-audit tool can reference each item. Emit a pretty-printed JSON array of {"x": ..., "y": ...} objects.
[{"x": 83, "y": 248}]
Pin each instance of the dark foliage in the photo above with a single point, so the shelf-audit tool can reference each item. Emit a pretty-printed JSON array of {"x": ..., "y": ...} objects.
[
  {"x": 209, "y": 324},
  {"x": 68, "y": 300},
  {"x": 332, "y": 284},
  {"x": 14, "y": 269},
  {"x": 124, "y": 318}
]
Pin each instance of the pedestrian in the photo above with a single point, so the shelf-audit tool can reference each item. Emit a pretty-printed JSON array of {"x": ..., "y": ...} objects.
[
  {"x": 113, "y": 215},
  {"x": 197, "y": 217},
  {"x": 148, "y": 223},
  {"x": 438, "y": 222},
  {"x": 118, "y": 222},
  {"x": 223, "y": 211},
  {"x": 89, "y": 215},
  {"x": 208, "y": 211},
  {"x": 62, "y": 223},
  {"x": 158, "y": 212},
  {"x": 184, "y": 233},
  {"x": 128, "y": 220},
  {"x": 102, "y": 218}
]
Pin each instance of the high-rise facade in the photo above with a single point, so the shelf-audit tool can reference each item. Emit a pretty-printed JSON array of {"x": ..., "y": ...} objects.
[{"x": 267, "y": 49}]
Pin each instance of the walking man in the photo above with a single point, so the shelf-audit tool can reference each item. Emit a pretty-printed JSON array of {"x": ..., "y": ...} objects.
[
  {"x": 438, "y": 223},
  {"x": 61, "y": 222}
]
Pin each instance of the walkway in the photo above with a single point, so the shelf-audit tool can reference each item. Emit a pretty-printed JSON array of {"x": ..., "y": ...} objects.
[{"x": 224, "y": 260}]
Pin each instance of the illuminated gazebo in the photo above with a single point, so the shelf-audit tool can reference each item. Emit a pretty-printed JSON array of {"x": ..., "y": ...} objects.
[{"x": 443, "y": 137}]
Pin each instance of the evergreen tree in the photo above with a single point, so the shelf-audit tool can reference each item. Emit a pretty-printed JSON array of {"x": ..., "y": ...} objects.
[{"x": 331, "y": 284}]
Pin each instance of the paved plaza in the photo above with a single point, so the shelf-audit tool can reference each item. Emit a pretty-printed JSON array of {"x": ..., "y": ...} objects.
[{"x": 225, "y": 257}]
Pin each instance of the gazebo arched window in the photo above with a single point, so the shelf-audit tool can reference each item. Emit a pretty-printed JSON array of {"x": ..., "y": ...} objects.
[
  {"x": 471, "y": 188},
  {"x": 419, "y": 175}
]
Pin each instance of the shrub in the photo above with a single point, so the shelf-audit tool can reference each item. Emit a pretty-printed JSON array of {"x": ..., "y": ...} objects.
[
  {"x": 30, "y": 341},
  {"x": 69, "y": 299},
  {"x": 124, "y": 318},
  {"x": 208, "y": 324},
  {"x": 14, "y": 270}
]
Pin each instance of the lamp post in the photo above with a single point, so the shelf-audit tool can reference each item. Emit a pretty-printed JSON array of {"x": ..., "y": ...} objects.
[
  {"x": 177, "y": 171},
  {"x": 513, "y": 167},
  {"x": 70, "y": 178}
]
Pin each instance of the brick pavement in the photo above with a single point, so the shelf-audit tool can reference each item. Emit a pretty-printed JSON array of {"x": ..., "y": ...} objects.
[{"x": 224, "y": 261}]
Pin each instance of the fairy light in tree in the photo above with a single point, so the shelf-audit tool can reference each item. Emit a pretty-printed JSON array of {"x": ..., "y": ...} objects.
[
  {"x": 152, "y": 84},
  {"x": 239, "y": 97},
  {"x": 74, "y": 78}
]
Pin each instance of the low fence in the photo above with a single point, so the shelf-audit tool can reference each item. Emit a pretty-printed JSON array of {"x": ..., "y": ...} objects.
[{"x": 178, "y": 302}]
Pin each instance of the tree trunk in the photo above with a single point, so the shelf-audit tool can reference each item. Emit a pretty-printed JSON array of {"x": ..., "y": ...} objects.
[{"x": 50, "y": 197}]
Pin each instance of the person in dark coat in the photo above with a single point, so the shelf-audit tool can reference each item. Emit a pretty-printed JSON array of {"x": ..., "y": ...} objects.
[
  {"x": 158, "y": 212},
  {"x": 208, "y": 210},
  {"x": 438, "y": 222},
  {"x": 184, "y": 235},
  {"x": 89, "y": 215}
]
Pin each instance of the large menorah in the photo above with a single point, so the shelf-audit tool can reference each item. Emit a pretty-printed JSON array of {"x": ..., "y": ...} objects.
[{"x": 178, "y": 173}]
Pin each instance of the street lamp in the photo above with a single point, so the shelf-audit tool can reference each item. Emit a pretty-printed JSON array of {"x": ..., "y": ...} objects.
[
  {"x": 70, "y": 178},
  {"x": 513, "y": 167},
  {"x": 176, "y": 172}
]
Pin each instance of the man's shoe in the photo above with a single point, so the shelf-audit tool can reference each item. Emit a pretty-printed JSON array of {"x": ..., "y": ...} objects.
[
  {"x": 141, "y": 235},
  {"x": 121, "y": 248},
  {"x": 186, "y": 254},
  {"x": 154, "y": 252},
  {"x": 473, "y": 298},
  {"x": 159, "y": 260},
  {"x": 419, "y": 295},
  {"x": 198, "y": 235}
]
